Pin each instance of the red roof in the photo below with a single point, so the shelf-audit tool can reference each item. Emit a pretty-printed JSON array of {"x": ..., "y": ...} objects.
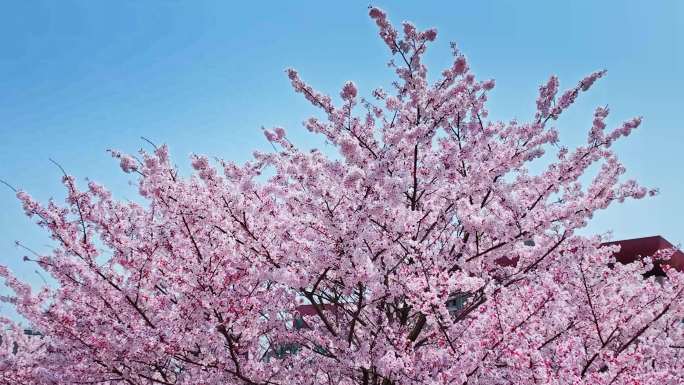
[
  {"x": 630, "y": 251},
  {"x": 637, "y": 248},
  {"x": 306, "y": 310}
]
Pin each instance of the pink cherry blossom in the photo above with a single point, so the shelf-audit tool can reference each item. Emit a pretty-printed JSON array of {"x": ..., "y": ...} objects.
[
  {"x": 420, "y": 248},
  {"x": 348, "y": 91}
]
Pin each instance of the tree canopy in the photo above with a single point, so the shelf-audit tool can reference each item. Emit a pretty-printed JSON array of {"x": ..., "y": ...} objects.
[{"x": 426, "y": 248}]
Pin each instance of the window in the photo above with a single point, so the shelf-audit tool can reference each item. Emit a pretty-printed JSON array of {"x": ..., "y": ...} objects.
[{"x": 456, "y": 302}]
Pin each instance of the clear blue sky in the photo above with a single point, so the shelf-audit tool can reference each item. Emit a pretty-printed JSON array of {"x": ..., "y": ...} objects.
[{"x": 78, "y": 77}]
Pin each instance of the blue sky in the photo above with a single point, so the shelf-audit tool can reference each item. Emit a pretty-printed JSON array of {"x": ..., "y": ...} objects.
[{"x": 79, "y": 77}]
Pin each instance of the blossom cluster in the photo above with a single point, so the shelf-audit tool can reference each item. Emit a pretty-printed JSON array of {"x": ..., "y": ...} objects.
[{"x": 429, "y": 204}]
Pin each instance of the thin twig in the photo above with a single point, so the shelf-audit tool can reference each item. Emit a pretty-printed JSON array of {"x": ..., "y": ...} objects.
[
  {"x": 78, "y": 204},
  {"x": 59, "y": 166},
  {"x": 9, "y": 185},
  {"x": 150, "y": 142}
]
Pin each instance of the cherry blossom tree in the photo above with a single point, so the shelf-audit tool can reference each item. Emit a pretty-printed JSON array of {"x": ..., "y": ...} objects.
[{"x": 426, "y": 250}]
